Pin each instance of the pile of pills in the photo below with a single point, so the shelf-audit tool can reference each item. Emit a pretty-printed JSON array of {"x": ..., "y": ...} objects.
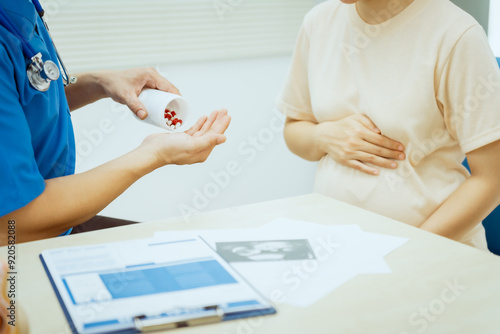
[{"x": 172, "y": 121}]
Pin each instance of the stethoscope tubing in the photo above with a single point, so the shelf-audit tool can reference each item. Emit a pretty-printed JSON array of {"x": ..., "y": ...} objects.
[
  {"x": 38, "y": 7},
  {"x": 28, "y": 50},
  {"x": 6, "y": 22}
]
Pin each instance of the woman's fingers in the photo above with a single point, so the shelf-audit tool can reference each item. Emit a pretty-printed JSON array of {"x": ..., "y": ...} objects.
[
  {"x": 364, "y": 152},
  {"x": 368, "y": 123},
  {"x": 383, "y": 141},
  {"x": 383, "y": 152},
  {"x": 362, "y": 167},
  {"x": 375, "y": 136},
  {"x": 363, "y": 162},
  {"x": 357, "y": 142},
  {"x": 375, "y": 160}
]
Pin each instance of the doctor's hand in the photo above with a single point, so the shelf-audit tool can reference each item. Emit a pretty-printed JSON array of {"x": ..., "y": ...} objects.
[
  {"x": 190, "y": 147},
  {"x": 125, "y": 86},
  {"x": 356, "y": 142}
]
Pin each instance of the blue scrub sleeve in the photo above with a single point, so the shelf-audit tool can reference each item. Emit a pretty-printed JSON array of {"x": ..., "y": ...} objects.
[{"x": 20, "y": 179}]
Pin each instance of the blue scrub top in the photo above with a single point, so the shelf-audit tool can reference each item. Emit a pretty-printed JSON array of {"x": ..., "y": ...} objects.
[{"x": 36, "y": 134}]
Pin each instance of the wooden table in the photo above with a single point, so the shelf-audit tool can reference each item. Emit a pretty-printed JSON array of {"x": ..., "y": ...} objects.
[{"x": 437, "y": 285}]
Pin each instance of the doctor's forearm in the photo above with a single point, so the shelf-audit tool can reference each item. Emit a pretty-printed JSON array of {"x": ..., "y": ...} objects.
[
  {"x": 85, "y": 91},
  {"x": 300, "y": 137},
  {"x": 70, "y": 200}
]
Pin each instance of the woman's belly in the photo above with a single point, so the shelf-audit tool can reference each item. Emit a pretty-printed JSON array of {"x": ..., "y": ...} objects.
[{"x": 408, "y": 194}]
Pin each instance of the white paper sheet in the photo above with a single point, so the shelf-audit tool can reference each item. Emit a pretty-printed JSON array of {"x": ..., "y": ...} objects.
[{"x": 342, "y": 252}]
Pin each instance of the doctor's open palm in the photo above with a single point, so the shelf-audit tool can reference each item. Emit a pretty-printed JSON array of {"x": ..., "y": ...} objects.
[{"x": 192, "y": 146}]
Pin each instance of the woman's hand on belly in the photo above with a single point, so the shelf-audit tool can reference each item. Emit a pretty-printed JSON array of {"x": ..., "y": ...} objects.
[{"x": 356, "y": 142}]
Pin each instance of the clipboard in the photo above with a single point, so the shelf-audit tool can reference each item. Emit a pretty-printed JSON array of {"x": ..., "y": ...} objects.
[{"x": 148, "y": 285}]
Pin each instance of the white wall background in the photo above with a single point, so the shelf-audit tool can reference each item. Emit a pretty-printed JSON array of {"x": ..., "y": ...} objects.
[
  {"x": 103, "y": 34},
  {"x": 494, "y": 26}
]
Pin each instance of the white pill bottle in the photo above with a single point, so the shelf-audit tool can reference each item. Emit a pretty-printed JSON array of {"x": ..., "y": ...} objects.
[{"x": 157, "y": 102}]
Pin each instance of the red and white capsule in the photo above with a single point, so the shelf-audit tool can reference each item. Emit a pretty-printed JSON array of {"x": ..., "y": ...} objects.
[{"x": 171, "y": 120}]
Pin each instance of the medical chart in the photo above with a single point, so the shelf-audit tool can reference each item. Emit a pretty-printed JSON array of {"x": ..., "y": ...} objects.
[{"x": 104, "y": 288}]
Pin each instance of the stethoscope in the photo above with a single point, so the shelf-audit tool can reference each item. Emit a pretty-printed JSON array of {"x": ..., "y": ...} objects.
[{"x": 40, "y": 73}]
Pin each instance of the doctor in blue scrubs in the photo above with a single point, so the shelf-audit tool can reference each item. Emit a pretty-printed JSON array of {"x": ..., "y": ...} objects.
[{"x": 40, "y": 196}]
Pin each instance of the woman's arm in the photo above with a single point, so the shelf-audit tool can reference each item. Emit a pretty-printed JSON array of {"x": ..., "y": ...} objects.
[
  {"x": 353, "y": 141},
  {"x": 474, "y": 199},
  {"x": 122, "y": 86},
  {"x": 302, "y": 139},
  {"x": 70, "y": 200}
]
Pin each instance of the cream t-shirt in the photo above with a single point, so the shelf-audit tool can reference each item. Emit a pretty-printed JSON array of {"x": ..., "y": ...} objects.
[{"x": 426, "y": 78}]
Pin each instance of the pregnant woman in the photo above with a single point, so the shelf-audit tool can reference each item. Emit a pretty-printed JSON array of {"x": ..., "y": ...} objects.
[{"x": 390, "y": 96}]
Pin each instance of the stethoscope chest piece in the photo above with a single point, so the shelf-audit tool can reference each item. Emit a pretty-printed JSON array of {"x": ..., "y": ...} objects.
[{"x": 40, "y": 73}]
